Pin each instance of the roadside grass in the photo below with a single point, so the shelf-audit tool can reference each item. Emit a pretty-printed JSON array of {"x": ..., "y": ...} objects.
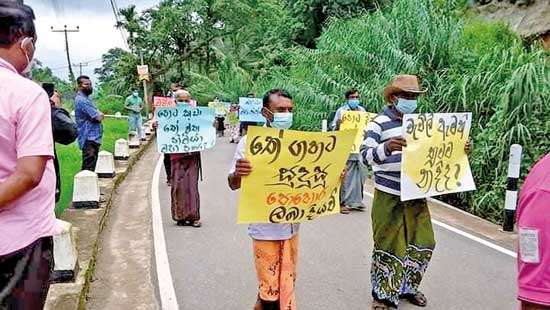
[{"x": 70, "y": 158}]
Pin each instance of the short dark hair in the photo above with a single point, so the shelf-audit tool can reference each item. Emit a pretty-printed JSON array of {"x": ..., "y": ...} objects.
[
  {"x": 80, "y": 78},
  {"x": 351, "y": 92},
  {"x": 276, "y": 91},
  {"x": 16, "y": 22}
]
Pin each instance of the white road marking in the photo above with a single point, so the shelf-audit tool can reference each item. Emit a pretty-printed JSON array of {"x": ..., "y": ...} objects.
[
  {"x": 467, "y": 235},
  {"x": 164, "y": 276}
]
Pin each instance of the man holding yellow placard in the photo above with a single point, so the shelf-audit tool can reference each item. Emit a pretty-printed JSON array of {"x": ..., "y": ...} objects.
[
  {"x": 402, "y": 230},
  {"x": 275, "y": 246},
  {"x": 352, "y": 116},
  {"x": 295, "y": 178}
]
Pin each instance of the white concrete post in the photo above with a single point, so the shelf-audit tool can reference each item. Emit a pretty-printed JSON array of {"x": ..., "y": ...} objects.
[
  {"x": 65, "y": 254},
  {"x": 324, "y": 125},
  {"x": 105, "y": 167},
  {"x": 133, "y": 140},
  {"x": 86, "y": 190},
  {"x": 511, "y": 199},
  {"x": 122, "y": 151},
  {"x": 118, "y": 115}
]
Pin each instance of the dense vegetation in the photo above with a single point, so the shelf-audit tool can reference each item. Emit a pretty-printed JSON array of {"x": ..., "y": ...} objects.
[{"x": 318, "y": 49}]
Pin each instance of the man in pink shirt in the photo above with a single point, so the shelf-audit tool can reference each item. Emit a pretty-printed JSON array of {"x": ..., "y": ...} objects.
[
  {"x": 27, "y": 177},
  {"x": 533, "y": 221}
]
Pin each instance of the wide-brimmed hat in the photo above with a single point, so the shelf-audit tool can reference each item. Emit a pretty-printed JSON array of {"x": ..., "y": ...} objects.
[{"x": 403, "y": 83}]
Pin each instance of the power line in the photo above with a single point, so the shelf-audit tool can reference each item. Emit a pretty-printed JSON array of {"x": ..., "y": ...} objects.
[
  {"x": 116, "y": 11},
  {"x": 65, "y": 31}
]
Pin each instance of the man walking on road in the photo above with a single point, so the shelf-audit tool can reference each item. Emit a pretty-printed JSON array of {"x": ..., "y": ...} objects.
[
  {"x": 88, "y": 120},
  {"x": 275, "y": 246},
  {"x": 27, "y": 177},
  {"x": 402, "y": 231},
  {"x": 134, "y": 105},
  {"x": 351, "y": 193}
]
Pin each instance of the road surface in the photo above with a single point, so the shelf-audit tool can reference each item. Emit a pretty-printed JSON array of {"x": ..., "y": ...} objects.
[{"x": 212, "y": 266}]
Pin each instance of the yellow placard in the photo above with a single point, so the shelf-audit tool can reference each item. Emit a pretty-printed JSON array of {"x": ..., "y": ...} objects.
[
  {"x": 295, "y": 177},
  {"x": 434, "y": 161},
  {"x": 356, "y": 120}
]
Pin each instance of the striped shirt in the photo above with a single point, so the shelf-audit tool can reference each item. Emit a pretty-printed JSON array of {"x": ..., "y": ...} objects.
[{"x": 386, "y": 165}]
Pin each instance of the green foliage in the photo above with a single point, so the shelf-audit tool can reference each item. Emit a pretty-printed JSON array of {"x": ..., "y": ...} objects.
[
  {"x": 42, "y": 74},
  {"x": 502, "y": 84},
  {"x": 70, "y": 158}
]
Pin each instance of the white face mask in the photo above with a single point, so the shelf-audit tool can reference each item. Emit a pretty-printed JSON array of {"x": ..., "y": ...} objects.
[{"x": 30, "y": 62}]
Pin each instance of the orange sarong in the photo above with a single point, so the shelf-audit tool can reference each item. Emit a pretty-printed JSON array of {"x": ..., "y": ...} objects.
[{"x": 276, "y": 269}]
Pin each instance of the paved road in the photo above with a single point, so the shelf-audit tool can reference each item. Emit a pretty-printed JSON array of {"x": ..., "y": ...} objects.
[{"x": 212, "y": 266}]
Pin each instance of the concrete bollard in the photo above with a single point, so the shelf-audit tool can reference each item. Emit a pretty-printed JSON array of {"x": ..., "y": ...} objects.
[
  {"x": 324, "y": 125},
  {"x": 86, "y": 190},
  {"x": 105, "y": 167},
  {"x": 73, "y": 113},
  {"x": 65, "y": 254},
  {"x": 133, "y": 140},
  {"x": 118, "y": 115},
  {"x": 143, "y": 137},
  {"x": 511, "y": 200},
  {"x": 122, "y": 151}
]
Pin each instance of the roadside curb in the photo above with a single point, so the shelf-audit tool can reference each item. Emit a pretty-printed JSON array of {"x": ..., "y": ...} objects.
[
  {"x": 103, "y": 221},
  {"x": 73, "y": 295}
]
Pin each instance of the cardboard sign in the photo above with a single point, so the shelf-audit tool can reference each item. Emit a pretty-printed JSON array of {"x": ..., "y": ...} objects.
[
  {"x": 356, "y": 120},
  {"x": 250, "y": 110}
]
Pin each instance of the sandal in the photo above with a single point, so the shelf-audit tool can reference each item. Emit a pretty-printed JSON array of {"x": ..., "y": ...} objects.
[
  {"x": 417, "y": 299},
  {"x": 196, "y": 224},
  {"x": 377, "y": 305},
  {"x": 183, "y": 223}
]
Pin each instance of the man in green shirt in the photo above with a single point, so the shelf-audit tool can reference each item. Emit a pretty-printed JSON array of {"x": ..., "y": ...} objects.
[{"x": 133, "y": 106}]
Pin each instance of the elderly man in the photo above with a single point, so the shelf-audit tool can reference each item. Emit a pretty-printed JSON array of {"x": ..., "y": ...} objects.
[
  {"x": 275, "y": 246},
  {"x": 402, "y": 231},
  {"x": 88, "y": 120},
  {"x": 27, "y": 177},
  {"x": 185, "y": 171}
]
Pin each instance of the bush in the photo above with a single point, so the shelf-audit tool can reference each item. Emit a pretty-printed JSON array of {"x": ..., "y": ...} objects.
[{"x": 467, "y": 65}]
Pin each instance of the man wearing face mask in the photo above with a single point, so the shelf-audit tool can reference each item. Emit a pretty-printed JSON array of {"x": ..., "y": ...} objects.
[
  {"x": 88, "y": 120},
  {"x": 351, "y": 193},
  {"x": 133, "y": 106},
  {"x": 27, "y": 176},
  {"x": 274, "y": 245},
  {"x": 402, "y": 231},
  {"x": 352, "y": 104}
]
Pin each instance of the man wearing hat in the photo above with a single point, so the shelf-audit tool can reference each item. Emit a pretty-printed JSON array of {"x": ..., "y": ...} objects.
[{"x": 402, "y": 231}]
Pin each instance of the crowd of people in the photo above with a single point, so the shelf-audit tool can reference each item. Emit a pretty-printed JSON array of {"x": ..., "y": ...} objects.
[{"x": 31, "y": 119}]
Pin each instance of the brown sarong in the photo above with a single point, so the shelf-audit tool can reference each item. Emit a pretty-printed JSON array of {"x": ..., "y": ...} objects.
[
  {"x": 185, "y": 187},
  {"x": 276, "y": 269}
]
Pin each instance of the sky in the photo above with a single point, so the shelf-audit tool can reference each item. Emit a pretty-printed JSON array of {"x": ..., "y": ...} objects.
[{"x": 97, "y": 32}]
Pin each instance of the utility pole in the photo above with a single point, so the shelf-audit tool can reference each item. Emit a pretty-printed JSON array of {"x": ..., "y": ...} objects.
[
  {"x": 80, "y": 65},
  {"x": 65, "y": 31},
  {"x": 144, "y": 89}
]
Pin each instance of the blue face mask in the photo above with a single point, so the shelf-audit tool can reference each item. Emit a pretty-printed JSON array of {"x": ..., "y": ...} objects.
[
  {"x": 353, "y": 103},
  {"x": 406, "y": 106},
  {"x": 282, "y": 120}
]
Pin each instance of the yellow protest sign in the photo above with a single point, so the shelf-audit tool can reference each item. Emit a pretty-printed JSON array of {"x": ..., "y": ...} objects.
[
  {"x": 295, "y": 177},
  {"x": 356, "y": 120},
  {"x": 434, "y": 161}
]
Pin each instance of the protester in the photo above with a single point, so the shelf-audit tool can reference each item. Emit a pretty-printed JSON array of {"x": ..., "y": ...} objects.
[
  {"x": 234, "y": 128},
  {"x": 351, "y": 193},
  {"x": 275, "y": 246},
  {"x": 186, "y": 168},
  {"x": 88, "y": 120},
  {"x": 172, "y": 91},
  {"x": 402, "y": 231},
  {"x": 134, "y": 105},
  {"x": 27, "y": 177},
  {"x": 533, "y": 222},
  {"x": 220, "y": 120},
  {"x": 63, "y": 129},
  {"x": 243, "y": 126}
]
